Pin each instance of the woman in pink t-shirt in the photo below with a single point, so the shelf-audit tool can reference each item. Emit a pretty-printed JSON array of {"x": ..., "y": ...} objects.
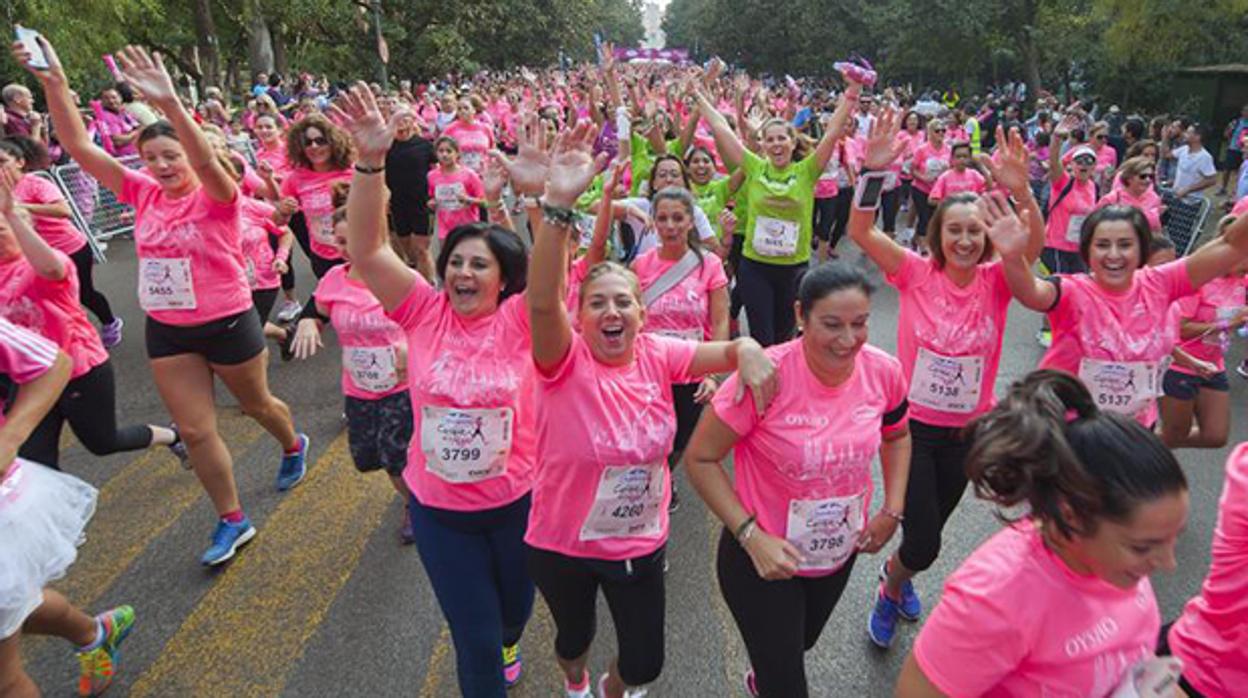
[
  {"x": 273, "y": 165},
  {"x": 39, "y": 291},
  {"x": 931, "y": 159},
  {"x": 455, "y": 192},
  {"x": 44, "y": 514},
  {"x": 950, "y": 328},
  {"x": 470, "y": 464},
  {"x": 1072, "y": 196},
  {"x": 1109, "y": 325},
  {"x": 192, "y": 283},
  {"x": 796, "y": 513},
  {"x": 1136, "y": 178},
  {"x": 320, "y": 155},
  {"x": 960, "y": 177},
  {"x": 605, "y": 426},
  {"x": 1211, "y": 635},
  {"x": 1059, "y": 602},
  {"x": 1196, "y": 387},
  {"x": 473, "y": 137},
  {"x": 42, "y": 199}
]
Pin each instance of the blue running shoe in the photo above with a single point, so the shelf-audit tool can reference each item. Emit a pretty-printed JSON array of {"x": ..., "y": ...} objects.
[
  {"x": 227, "y": 539},
  {"x": 910, "y": 607},
  {"x": 294, "y": 466},
  {"x": 882, "y": 624}
]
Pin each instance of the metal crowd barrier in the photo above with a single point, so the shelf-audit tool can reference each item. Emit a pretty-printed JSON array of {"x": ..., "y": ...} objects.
[{"x": 1184, "y": 219}]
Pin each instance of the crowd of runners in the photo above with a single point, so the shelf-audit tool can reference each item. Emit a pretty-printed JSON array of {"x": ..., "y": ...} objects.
[{"x": 552, "y": 288}]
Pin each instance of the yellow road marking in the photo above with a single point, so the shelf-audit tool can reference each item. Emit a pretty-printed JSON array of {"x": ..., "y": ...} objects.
[
  {"x": 277, "y": 593},
  {"x": 136, "y": 506},
  {"x": 437, "y": 664}
]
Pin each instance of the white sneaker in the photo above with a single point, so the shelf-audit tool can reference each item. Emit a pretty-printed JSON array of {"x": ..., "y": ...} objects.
[
  {"x": 628, "y": 692},
  {"x": 289, "y": 310},
  {"x": 585, "y": 692}
]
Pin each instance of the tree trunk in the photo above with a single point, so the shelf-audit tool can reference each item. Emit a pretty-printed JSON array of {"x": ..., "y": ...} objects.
[
  {"x": 278, "y": 38},
  {"x": 259, "y": 39},
  {"x": 206, "y": 40}
]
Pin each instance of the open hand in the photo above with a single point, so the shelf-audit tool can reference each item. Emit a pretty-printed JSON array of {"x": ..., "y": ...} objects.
[{"x": 146, "y": 72}]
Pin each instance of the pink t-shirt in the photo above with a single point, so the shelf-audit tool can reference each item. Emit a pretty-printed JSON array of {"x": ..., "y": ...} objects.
[
  {"x": 684, "y": 311},
  {"x": 1149, "y": 204},
  {"x": 930, "y": 162},
  {"x": 602, "y": 487},
  {"x": 191, "y": 267},
  {"x": 373, "y": 345},
  {"x": 1065, "y": 221},
  {"x": 50, "y": 309},
  {"x": 804, "y": 467},
  {"x": 958, "y": 331},
  {"x": 471, "y": 382},
  {"x": 474, "y": 140},
  {"x": 276, "y": 157},
  {"x": 24, "y": 355},
  {"x": 952, "y": 182},
  {"x": 57, "y": 232},
  {"x": 1240, "y": 207},
  {"x": 446, "y": 188},
  {"x": 912, "y": 142},
  {"x": 1014, "y": 621},
  {"x": 1093, "y": 327},
  {"x": 314, "y": 191},
  {"x": 576, "y": 276},
  {"x": 258, "y": 255},
  {"x": 1211, "y": 635},
  {"x": 1219, "y": 299},
  {"x": 1106, "y": 158}
]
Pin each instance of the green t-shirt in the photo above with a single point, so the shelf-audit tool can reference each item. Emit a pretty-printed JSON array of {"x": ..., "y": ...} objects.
[
  {"x": 781, "y": 204},
  {"x": 642, "y": 158},
  {"x": 712, "y": 197}
]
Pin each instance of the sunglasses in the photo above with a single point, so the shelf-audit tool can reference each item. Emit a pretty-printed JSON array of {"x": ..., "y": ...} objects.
[
  {"x": 938, "y": 130},
  {"x": 315, "y": 140},
  {"x": 1085, "y": 160},
  {"x": 1146, "y": 176},
  {"x": 1100, "y": 137}
]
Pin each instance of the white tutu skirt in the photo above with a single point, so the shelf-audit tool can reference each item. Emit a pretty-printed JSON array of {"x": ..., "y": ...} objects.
[{"x": 43, "y": 513}]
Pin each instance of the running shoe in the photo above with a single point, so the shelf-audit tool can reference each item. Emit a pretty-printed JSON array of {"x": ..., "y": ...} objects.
[
  {"x": 628, "y": 692},
  {"x": 751, "y": 687},
  {"x": 178, "y": 447},
  {"x": 98, "y": 666},
  {"x": 226, "y": 540},
  {"x": 289, "y": 311},
  {"x": 513, "y": 665},
  {"x": 110, "y": 334},
  {"x": 910, "y": 607},
  {"x": 287, "y": 345},
  {"x": 581, "y": 691},
  {"x": 1044, "y": 338},
  {"x": 882, "y": 624},
  {"x": 294, "y": 466},
  {"x": 673, "y": 505},
  {"x": 1242, "y": 369}
]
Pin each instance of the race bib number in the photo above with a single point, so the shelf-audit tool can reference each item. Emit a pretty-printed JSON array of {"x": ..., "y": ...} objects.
[
  {"x": 825, "y": 530},
  {"x": 165, "y": 284},
  {"x": 934, "y": 168},
  {"x": 250, "y": 269},
  {"x": 1074, "y": 229},
  {"x": 473, "y": 161},
  {"x": 890, "y": 180},
  {"x": 322, "y": 228},
  {"x": 448, "y": 196},
  {"x": 371, "y": 368},
  {"x": 627, "y": 503},
  {"x": 1125, "y": 387},
  {"x": 946, "y": 383},
  {"x": 466, "y": 445},
  {"x": 774, "y": 237},
  {"x": 693, "y": 334}
]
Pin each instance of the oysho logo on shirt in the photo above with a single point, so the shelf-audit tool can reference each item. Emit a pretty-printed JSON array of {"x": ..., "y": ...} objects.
[
  {"x": 805, "y": 420},
  {"x": 1092, "y": 638},
  {"x": 864, "y": 413}
]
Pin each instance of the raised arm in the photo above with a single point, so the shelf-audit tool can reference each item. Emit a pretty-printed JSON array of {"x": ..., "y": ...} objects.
[
  {"x": 848, "y": 100},
  {"x": 882, "y": 149},
  {"x": 1221, "y": 254},
  {"x": 368, "y": 243},
  {"x": 606, "y": 212},
  {"x": 147, "y": 74},
  {"x": 71, "y": 132},
  {"x": 1010, "y": 240},
  {"x": 1010, "y": 171},
  {"x": 38, "y": 253},
  {"x": 565, "y": 174},
  {"x": 729, "y": 146},
  {"x": 1060, "y": 134}
]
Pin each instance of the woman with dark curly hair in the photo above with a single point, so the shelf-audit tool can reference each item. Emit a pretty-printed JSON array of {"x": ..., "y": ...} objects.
[{"x": 320, "y": 154}]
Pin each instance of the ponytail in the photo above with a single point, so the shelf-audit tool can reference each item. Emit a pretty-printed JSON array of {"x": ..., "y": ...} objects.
[{"x": 1048, "y": 446}]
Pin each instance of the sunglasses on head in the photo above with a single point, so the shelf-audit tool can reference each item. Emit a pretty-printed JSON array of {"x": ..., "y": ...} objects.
[{"x": 310, "y": 141}]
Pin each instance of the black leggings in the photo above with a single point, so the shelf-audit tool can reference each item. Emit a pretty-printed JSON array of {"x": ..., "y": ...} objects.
[
  {"x": 93, "y": 300},
  {"x": 768, "y": 292},
  {"x": 937, "y": 481},
  {"x": 89, "y": 405},
  {"x": 821, "y": 223},
  {"x": 320, "y": 265},
  {"x": 840, "y": 214},
  {"x": 923, "y": 210},
  {"x": 779, "y": 620},
  {"x": 889, "y": 203},
  {"x": 288, "y": 278},
  {"x": 635, "y": 595},
  {"x": 687, "y": 414}
]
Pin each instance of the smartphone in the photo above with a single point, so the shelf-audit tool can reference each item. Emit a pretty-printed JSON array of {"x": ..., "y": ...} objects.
[
  {"x": 29, "y": 39},
  {"x": 869, "y": 191}
]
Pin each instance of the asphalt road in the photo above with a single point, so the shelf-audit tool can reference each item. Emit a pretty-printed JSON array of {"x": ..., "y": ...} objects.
[{"x": 325, "y": 602}]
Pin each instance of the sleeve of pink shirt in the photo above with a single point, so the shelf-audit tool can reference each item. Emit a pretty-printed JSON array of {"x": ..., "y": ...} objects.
[
  {"x": 24, "y": 355},
  {"x": 938, "y": 189},
  {"x": 419, "y": 299},
  {"x": 971, "y": 641},
  {"x": 741, "y": 417},
  {"x": 134, "y": 186},
  {"x": 908, "y": 272},
  {"x": 979, "y": 182},
  {"x": 473, "y": 185},
  {"x": 1174, "y": 278},
  {"x": 678, "y": 354},
  {"x": 713, "y": 274}
]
